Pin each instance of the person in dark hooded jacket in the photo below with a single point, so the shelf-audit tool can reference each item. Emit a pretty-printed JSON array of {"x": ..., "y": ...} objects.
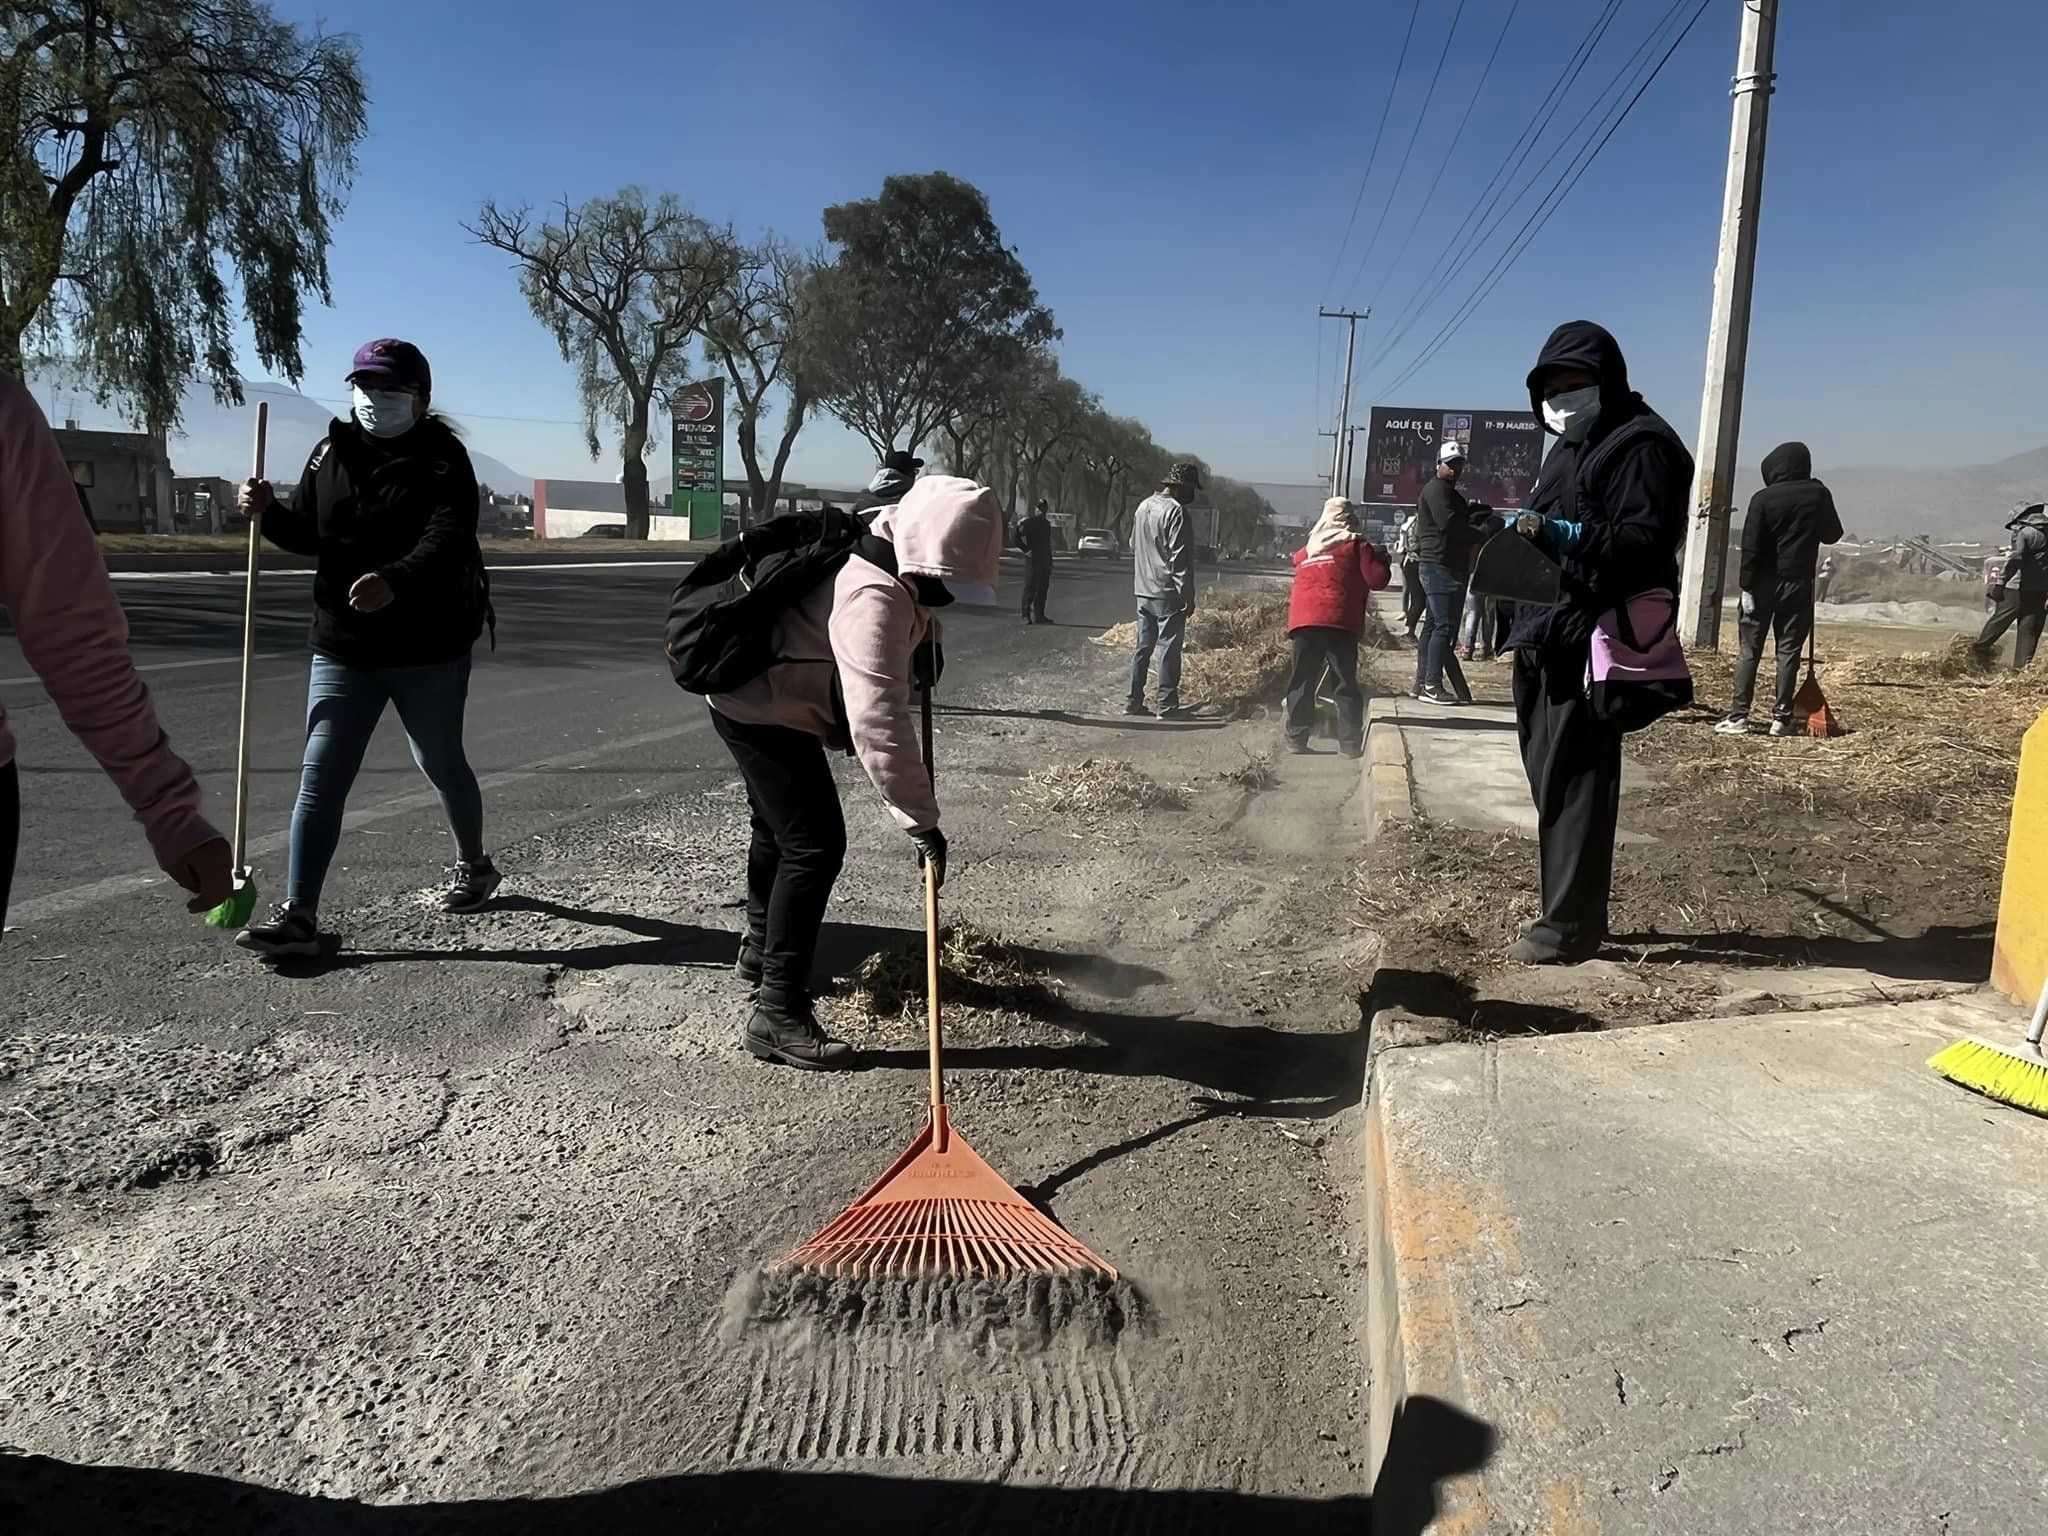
[
  {"x": 1788, "y": 521},
  {"x": 2022, "y": 591},
  {"x": 1610, "y": 507}
]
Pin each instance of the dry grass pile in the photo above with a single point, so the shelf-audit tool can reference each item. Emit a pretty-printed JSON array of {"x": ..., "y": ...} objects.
[
  {"x": 977, "y": 969},
  {"x": 1934, "y": 740},
  {"x": 1097, "y": 786},
  {"x": 1254, "y": 773},
  {"x": 1876, "y": 579},
  {"x": 1451, "y": 891}
]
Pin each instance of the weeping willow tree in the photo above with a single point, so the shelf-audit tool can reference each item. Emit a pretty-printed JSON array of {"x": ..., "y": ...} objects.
[{"x": 155, "y": 157}]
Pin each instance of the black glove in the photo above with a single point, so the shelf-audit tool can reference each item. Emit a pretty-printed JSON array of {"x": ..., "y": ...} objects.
[{"x": 931, "y": 848}]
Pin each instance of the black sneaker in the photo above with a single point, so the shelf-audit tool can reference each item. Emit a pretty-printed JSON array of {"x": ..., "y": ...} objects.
[
  {"x": 289, "y": 931},
  {"x": 1782, "y": 727},
  {"x": 1137, "y": 707},
  {"x": 790, "y": 1033},
  {"x": 472, "y": 887},
  {"x": 1298, "y": 745},
  {"x": 1177, "y": 712},
  {"x": 1434, "y": 696}
]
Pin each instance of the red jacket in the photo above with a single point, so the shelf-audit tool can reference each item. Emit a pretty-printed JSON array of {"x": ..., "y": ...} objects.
[{"x": 1330, "y": 588}]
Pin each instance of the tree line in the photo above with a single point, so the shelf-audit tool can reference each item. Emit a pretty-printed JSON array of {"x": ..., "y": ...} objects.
[{"x": 154, "y": 149}]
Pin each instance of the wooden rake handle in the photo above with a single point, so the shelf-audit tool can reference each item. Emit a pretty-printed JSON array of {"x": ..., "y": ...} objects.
[
  {"x": 249, "y": 654},
  {"x": 931, "y": 946}
]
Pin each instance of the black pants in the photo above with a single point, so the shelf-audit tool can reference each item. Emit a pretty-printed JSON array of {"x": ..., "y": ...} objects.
[
  {"x": 1787, "y": 614},
  {"x": 1037, "y": 582},
  {"x": 10, "y": 832},
  {"x": 1314, "y": 649},
  {"x": 799, "y": 845},
  {"x": 1574, "y": 768},
  {"x": 1411, "y": 595},
  {"x": 2026, "y": 610}
]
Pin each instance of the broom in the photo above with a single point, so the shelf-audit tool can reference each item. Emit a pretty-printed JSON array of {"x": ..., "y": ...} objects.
[
  {"x": 2015, "y": 1077},
  {"x": 240, "y": 906},
  {"x": 941, "y": 1212},
  {"x": 1810, "y": 704}
]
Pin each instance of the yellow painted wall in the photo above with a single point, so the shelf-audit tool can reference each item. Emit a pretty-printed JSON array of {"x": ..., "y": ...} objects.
[{"x": 2019, "y": 965}]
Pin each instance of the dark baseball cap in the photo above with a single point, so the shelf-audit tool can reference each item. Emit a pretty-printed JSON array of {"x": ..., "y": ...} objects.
[{"x": 393, "y": 363}]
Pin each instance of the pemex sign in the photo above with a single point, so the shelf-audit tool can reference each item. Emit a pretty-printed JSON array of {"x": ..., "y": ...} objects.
[{"x": 698, "y": 450}]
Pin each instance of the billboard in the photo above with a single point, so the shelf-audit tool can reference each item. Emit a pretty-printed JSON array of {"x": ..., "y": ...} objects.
[
  {"x": 1503, "y": 451},
  {"x": 699, "y": 457}
]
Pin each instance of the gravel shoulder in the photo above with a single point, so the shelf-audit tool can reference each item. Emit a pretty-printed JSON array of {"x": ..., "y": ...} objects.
[{"x": 447, "y": 1226}]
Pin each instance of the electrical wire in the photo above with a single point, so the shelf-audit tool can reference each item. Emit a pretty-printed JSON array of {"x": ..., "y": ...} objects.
[
  {"x": 1393, "y": 85},
  {"x": 1439, "y": 275},
  {"x": 1421, "y": 115},
  {"x": 1534, "y": 226}
]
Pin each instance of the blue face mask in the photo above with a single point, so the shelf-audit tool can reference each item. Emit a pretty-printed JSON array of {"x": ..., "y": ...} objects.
[{"x": 383, "y": 412}]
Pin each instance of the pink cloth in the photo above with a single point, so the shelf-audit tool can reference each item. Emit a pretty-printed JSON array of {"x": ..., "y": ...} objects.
[
  {"x": 71, "y": 628},
  {"x": 857, "y": 632}
]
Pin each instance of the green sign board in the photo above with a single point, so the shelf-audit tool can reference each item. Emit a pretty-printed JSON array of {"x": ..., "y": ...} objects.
[{"x": 699, "y": 411}]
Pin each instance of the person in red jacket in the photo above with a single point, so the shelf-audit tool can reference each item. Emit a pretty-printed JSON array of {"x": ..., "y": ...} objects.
[{"x": 1325, "y": 617}]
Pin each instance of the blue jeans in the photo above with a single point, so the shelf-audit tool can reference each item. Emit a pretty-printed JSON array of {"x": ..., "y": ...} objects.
[
  {"x": 1443, "y": 596},
  {"x": 1162, "y": 623},
  {"x": 343, "y": 706},
  {"x": 1475, "y": 635}
]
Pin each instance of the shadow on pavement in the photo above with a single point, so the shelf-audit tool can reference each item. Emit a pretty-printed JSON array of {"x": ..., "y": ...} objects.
[
  {"x": 1431, "y": 1441},
  {"x": 1455, "y": 722},
  {"x": 1434, "y": 995},
  {"x": 1098, "y": 722},
  {"x": 1961, "y": 953}
]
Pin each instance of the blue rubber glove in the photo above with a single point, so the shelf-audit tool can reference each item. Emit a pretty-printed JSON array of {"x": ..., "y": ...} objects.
[{"x": 1564, "y": 537}]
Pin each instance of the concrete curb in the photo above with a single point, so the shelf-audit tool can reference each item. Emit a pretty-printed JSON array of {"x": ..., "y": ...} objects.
[{"x": 1389, "y": 784}]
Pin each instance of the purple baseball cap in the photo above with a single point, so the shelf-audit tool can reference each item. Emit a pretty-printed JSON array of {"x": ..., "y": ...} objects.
[{"x": 392, "y": 363}]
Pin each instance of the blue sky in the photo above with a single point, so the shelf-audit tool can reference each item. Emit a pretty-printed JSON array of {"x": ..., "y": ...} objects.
[{"x": 1177, "y": 177}]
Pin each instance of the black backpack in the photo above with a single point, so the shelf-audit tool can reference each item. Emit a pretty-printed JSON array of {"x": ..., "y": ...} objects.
[{"x": 721, "y": 621}]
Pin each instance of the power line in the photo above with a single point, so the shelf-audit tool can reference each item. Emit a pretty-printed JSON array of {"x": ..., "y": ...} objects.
[
  {"x": 1534, "y": 226},
  {"x": 1440, "y": 276},
  {"x": 1400, "y": 63},
  {"x": 1422, "y": 113},
  {"x": 1445, "y": 163}
]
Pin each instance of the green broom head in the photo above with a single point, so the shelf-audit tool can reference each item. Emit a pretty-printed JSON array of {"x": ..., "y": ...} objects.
[
  {"x": 2012, "y": 1075},
  {"x": 236, "y": 911}
]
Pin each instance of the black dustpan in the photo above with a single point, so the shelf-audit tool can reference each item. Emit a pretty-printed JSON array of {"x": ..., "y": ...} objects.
[{"x": 1512, "y": 567}]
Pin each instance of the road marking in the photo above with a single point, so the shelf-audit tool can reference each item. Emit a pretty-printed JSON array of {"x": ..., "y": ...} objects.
[
  {"x": 169, "y": 666},
  {"x": 79, "y": 897},
  {"x": 524, "y": 565}
]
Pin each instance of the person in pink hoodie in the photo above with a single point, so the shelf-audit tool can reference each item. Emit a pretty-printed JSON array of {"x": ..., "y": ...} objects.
[
  {"x": 845, "y": 681},
  {"x": 74, "y": 635}
]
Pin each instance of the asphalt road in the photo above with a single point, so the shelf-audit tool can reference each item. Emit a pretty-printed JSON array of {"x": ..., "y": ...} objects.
[{"x": 572, "y": 716}]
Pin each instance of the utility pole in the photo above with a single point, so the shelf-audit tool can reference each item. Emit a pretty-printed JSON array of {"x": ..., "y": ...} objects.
[
  {"x": 1340, "y": 461},
  {"x": 1706, "y": 545},
  {"x": 1349, "y": 459}
]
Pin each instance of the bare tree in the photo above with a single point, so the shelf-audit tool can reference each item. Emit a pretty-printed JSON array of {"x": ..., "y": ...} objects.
[
  {"x": 757, "y": 332},
  {"x": 624, "y": 285}
]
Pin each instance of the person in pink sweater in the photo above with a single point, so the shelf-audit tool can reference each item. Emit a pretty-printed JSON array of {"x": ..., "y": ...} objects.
[
  {"x": 845, "y": 682},
  {"x": 75, "y": 637}
]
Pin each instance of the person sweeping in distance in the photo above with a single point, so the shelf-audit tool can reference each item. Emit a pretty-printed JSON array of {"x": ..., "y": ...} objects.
[
  {"x": 388, "y": 506},
  {"x": 74, "y": 636},
  {"x": 1334, "y": 576},
  {"x": 845, "y": 659},
  {"x": 1788, "y": 521}
]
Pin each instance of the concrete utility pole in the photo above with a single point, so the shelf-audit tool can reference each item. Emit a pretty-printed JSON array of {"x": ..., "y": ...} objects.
[
  {"x": 1340, "y": 460},
  {"x": 1350, "y": 458},
  {"x": 1706, "y": 545}
]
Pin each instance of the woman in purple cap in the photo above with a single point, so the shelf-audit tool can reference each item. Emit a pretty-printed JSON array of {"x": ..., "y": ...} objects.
[{"x": 387, "y": 505}]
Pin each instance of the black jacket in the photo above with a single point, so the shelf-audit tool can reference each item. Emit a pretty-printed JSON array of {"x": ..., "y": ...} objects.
[
  {"x": 1626, "y": 485},
  {"x": 1788, "y": 521},
  {"x": 403, "y": 506},
  {"x": 2027, "y": 567},
  {"x": 1447, "y": 526},
  {"x": 1034, "y": 537}
]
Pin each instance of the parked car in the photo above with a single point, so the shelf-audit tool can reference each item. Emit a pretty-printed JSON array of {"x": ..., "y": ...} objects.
[
  {"x": 1096, "y": 541},
  {"x": 605, "y": 531}
]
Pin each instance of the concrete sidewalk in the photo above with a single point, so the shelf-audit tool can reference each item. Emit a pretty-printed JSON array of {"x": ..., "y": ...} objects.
[{"x": 1732, "y": 1276}]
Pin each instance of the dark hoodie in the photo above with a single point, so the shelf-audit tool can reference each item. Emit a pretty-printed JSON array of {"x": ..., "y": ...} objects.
[
  {"x": 1788, "y": 521},
  {"x": 1627, "y": 486},
  {"x": 2027, "y": 568}
]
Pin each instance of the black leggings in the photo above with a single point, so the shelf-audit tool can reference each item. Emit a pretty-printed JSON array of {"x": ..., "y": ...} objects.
[
  {"x": 799, "y": 845},
  {"x": 10, "y": 831}
]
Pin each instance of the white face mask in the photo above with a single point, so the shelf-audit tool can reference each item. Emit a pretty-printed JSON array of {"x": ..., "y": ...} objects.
[
  {"x": 1571, "y": 415},
  {"x": 383, "y": 412}
]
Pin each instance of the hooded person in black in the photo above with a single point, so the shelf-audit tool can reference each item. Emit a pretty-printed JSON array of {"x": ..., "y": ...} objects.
[
  {"x": 1610, "y": 507},
  {"x": 1788, "y": 521},
  {"x": 2022, "y": 591}
]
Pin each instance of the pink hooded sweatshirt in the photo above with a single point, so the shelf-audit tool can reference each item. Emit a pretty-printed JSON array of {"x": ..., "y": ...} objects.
[
  {"x": 71, "y": 628},
  {"x": 858, "y": 632}
]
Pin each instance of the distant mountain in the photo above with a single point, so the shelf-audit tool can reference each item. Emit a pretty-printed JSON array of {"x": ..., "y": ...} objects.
[
  {"x": 217, "y": 439},
  {"x": 1964, "y": 504}
]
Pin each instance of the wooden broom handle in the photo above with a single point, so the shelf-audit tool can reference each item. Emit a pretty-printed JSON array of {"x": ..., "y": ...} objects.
[
  {"x": 249, "y": 654},
  {"x": 931, "y": 933}
]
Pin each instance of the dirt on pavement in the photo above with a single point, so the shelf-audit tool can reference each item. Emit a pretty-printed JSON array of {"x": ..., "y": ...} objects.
[{"x": 482, "y": 1272}]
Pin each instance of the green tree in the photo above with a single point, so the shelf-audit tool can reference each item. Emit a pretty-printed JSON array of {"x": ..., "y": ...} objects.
[
  {"x": 624, "y": 285},
  {"x": 149, "y": 151},
  {"x": 759, "y": 333},
  {"x": 921, "y": 308}
]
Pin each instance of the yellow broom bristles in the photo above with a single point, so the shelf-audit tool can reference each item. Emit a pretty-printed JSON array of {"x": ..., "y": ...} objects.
[{"x": 2015, "y": 1077}]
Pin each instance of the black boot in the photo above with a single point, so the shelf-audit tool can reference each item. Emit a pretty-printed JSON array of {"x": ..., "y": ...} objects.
[
  {"x": 784, "y": 1029},
  {"x": 748, "y": 966}
]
